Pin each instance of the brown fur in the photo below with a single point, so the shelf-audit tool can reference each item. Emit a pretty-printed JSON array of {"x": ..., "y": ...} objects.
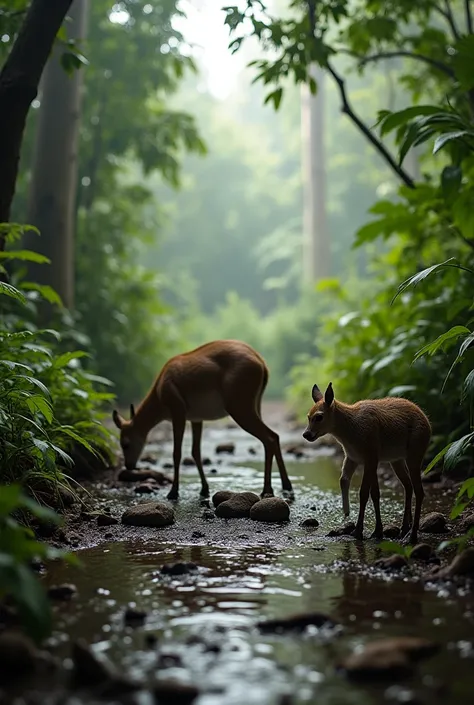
[
  {"x": 218, "y": 379},
  {"x": 392, "y": 430}
]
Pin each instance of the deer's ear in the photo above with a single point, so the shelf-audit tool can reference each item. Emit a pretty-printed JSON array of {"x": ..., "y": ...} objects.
[
  {"x": 329, "y": 395},
  {"x": 316, "y": 393},
  {"x": 132, "y": 411},
  {"x": 118, "y": 420}
]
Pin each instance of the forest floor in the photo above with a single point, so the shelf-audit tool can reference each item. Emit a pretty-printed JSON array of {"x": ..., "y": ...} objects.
[{"x": 201, "y": 632}]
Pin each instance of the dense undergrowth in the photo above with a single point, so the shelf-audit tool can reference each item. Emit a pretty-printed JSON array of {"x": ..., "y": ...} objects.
[{"x": 49, "y": 407}]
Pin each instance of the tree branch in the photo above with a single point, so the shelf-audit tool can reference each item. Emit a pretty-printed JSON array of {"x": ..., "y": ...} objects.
[
  {"x": 408, "y": 54},
  {"x": 467, "y": 6},
  {"x": 448, "y": 16},
  {"x": 379, "y": 146}
]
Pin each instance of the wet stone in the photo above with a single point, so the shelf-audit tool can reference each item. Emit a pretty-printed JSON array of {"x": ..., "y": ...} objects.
[
  {"x": 188, "y": 462},
  {"x": 62, "y": 592},
  {"x": 423, "y": 552},
  {"x": 169, "y": 661},
  {"x": 270, "y": 509},
  {"x": 345, "y": 530},
  {"x": 466, "y": 522},
  {"x": 208, "y": 515},
  {"x": 462, "y": 565},
  {"x": 392, "y": 531},
  {"x": 89, "y": 668},
  {"x": 178, "y": 568},
  {"x": 388, "y": 658},
  {"x": 296, "y": 622},
  {"x": 143, "y": 474},
  {"x": 310, "y": 523},
  {"x": 171, "y": 692},
  {"x": 238, "y": 506},
  {"x": 18, "y": 655},
  {"x": 225, "y": 448},
  {"x": 395, "y": 562},
  {"x": 198, "y": 535},
  {"x": 297, "y": 451},
  {"x": 106, "y": 520},
  {"x": 151, "y": 640},
  {"x": 433, "y": 523},
  {"x": 145, "y": 488},
  {"x": 134, "y": 617},
  {"x": 222, "y": 496},
  {"x": 154, "y": 514},
  {"x": 252, "y": 451},
  {"x": 206, "y": 461}
]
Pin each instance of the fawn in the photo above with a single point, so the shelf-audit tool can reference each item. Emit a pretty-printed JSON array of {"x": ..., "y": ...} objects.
[
  {"x": 218, "y": 379},
  {"x": 371, "y": 431}
]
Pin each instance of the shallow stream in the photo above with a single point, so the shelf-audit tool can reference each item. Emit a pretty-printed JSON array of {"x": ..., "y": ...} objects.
[{"x": 205, "y": 622}]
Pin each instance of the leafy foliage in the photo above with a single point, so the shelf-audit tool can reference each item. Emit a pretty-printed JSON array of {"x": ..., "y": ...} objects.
[{"x": 18, "y": 548}]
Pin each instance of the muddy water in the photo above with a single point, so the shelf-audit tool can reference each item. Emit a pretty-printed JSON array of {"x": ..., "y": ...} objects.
[{"x": 205, "y": 622}]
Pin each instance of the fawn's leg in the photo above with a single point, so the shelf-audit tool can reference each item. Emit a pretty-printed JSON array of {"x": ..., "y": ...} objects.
[
  {"x": 349, "y": 466},
  {"x": 400, "y": 469},
  {"x": 375, "y": 494},
  {"x": 370, "y": 468},
  {"x": 196, "y": 427}
]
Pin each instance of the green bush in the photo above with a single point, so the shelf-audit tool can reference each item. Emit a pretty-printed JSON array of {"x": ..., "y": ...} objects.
[{"x": 48, "y": 403}]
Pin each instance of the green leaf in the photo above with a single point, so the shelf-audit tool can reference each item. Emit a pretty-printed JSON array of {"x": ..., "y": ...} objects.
[
  {"x": 442, "y": 140},
  {"x": 451, "y": 179},
  {"x": 32, "y": 603},
  {"x": 468, "y": 386},
  {"x": 457, "y": 451},
  {"x": 449, "y": 336},
  {"x": 463, "y": 61},
  {"x": 24, "y": 256},
  {"x": 12, "y": 292},
  {"x": 276, "y": 97},
  {"x": 39, "y": 404},
  {"x": 421, "y": 276},
  {"x": 439, "y": 456},
  {"x": 392, "y": 547},
  {"x": 35, "y": 382},
  {"x": 45, "y": 291},
  {"x": 10, "y": 497},
  {"x": 64, "y": 359},
  {"x": 390, "y": 121},
  {"x": 39, "y": 511}
]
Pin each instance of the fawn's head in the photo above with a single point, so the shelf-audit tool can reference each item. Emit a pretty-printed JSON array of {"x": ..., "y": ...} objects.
[
  {"x": 131, "y": 439},
  {"x": 320, "y": 416}
]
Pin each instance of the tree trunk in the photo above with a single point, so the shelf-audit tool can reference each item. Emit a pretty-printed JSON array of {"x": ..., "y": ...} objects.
[
  {"x": 54, "y": 174},
  {"x": 316, "y": 250},
  {"x": 19, "y": 80}
]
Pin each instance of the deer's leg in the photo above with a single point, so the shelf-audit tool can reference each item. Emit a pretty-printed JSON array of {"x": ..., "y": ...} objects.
[
  {"x": 196, "y": 453},
  {"x": 250, "y": 421},
  {"x": 375, "y": 494},
  {"x": 414, "y": 468},
  {"x": 400, "y": 469},
  {"x": 349, "y": 467},
  {"x": 285, "y": 480},
  {"x": 370, "y": 468},
  {"x": 179, "y": 423}
]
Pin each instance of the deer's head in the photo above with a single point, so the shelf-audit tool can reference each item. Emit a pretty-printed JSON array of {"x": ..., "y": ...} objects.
[
  {"x": 320, "y": 416},
  {"x": 132, "y": 440}
]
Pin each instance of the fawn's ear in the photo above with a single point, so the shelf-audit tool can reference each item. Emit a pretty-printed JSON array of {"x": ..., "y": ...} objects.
[
  {"x": 132, "y": 411},
  {"x": 329, "y": 395},
  {"x": 316, "y": 393},
  {"x": 118, "y": 420}
]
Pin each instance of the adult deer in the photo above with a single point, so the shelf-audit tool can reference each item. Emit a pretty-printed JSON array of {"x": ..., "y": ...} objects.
[
  {"x": 222, "y": 378},
  {"x": 371, "y": 431}
]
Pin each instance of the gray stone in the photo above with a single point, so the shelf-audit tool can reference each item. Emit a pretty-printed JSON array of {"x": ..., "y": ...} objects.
[
  {"x": 270, "y": 509},
  {"x": 149, "y": 514}
]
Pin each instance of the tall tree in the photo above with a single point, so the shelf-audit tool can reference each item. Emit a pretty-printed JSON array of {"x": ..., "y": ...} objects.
[
  {"x": 54, "y": 175},
  {"x": 19, "y": 79}
]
